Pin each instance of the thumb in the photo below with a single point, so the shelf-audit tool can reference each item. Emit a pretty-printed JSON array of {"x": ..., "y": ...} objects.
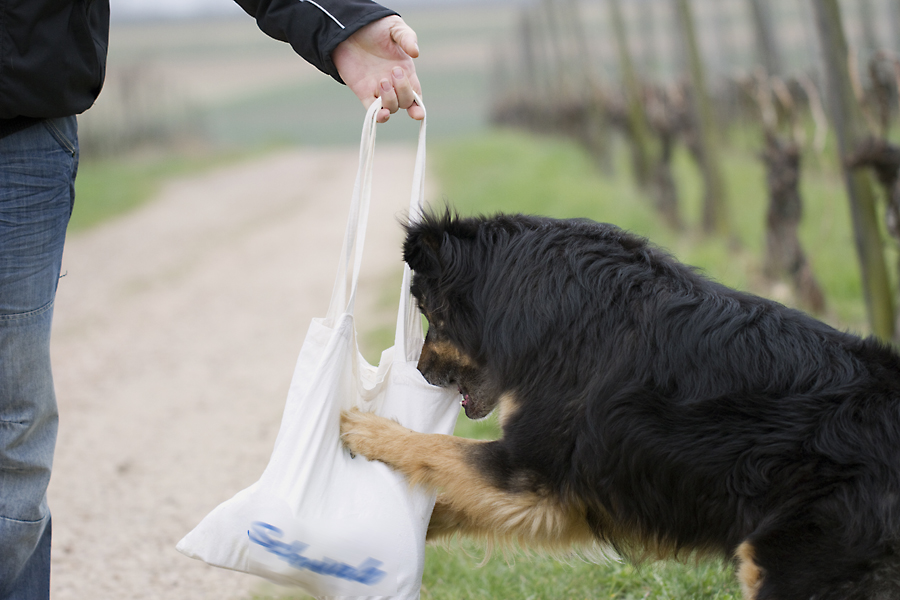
[{"x": 405, "y": 37}]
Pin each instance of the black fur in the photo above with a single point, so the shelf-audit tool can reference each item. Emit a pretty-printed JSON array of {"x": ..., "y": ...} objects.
[{"x": 695, "y": 415}]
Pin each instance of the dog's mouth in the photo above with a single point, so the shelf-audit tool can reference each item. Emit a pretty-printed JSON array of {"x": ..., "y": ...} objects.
[
  {"x": 474, "y": 410},
  {"x": 464, "y": 402},
  {"x": 473, "y": 398}
]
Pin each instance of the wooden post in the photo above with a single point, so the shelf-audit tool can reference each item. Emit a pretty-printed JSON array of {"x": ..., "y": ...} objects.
[
  {"x": 595, "y": 134},
  {"x": 868, "y": 19},
  {"x": 766, "y": 40},
  {"x": 850, "y": 127},
  {"x": 894, "y": 19},
  {"x": 715, "y": 217},
  {"x": 637, "y": 119}
]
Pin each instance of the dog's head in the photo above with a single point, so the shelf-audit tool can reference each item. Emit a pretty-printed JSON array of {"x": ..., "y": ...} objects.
[
  {"x": 506, "y": 297},
  {"x": 444, "y": 253}
]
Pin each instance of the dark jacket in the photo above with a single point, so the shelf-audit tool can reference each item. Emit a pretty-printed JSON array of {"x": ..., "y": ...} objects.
[
  {"x": 52, "y": 56},
  {"x": 53, "y": 52},
  {"x": 314, "y": 27}
]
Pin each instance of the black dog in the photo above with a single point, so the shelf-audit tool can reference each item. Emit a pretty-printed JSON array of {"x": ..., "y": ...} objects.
[{"x": 648, "y": 408}]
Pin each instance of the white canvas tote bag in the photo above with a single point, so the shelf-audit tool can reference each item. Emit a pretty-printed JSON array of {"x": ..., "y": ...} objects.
[{"x": 317, "y": 518}]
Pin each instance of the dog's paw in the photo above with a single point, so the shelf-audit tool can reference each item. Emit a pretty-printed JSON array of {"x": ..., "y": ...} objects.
[{"x": 370, "y": 435}]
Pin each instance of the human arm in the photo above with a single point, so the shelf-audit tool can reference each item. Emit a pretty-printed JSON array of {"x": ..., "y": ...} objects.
[{"x": 353, "y": 34}]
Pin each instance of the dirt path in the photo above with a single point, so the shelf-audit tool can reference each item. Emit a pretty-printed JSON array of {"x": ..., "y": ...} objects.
[{"x": 176, "y": 332}]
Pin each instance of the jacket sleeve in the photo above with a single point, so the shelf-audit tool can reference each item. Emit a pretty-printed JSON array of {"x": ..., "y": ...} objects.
[{"x": 314, "y": 28}]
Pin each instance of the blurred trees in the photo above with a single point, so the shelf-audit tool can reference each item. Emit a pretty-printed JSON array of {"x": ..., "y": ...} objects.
[{"x": 663, "y": 73}]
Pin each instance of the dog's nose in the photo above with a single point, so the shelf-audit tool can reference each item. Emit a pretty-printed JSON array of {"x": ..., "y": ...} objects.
[
  {"x": 424, "y": 367},
  {"x": 427, "y": 367}
]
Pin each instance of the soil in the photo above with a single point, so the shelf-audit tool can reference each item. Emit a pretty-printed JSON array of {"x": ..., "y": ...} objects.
[{"x": 176, "y": 331}]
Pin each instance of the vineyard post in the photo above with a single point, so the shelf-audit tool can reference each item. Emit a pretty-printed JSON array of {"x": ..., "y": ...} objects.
[
  {"x": 637, "y": 119},
  {"x": 850, "y": 127},
  {"x": 766, "y": 40},
  {"x": 715, "y": 206}
]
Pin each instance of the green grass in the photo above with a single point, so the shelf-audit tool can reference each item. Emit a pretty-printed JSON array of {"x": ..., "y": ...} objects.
[{"x": 459, "y": 576}]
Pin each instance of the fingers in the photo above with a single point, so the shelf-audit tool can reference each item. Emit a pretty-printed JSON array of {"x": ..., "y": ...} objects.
[
  {"x": 388, "y": 97},
  {"x": 405, "y": 88},
  {"x": 399, "y": 92}
]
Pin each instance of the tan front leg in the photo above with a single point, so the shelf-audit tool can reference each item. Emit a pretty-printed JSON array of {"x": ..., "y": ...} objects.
[
  {"x": 469, "y": 501},
  {"x": 749, "y": 573}
]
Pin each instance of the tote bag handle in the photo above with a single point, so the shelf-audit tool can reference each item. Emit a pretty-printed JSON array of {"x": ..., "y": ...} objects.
[{"x": 408, "y": 335}]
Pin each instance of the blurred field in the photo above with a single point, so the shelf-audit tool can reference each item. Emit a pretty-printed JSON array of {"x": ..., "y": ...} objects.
[
  {"x": 183, "y": 96},
  {"x": 222, "y": 82}
]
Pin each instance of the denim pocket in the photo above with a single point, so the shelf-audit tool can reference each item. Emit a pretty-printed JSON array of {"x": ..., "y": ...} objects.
[
  {"x": 65, "y": 131},
  {"x": 21, "y": 316}
]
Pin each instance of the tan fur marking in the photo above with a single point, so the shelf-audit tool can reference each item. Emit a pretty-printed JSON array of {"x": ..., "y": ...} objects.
[
  {"x": 467, "y": 503},
  {"x": 447, "y": 352},
  {"x": 508, "y": 406},
  {"x": 749, "y": 573}
]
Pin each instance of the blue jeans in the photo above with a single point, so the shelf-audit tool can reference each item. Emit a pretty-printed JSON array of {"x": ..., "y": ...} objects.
[{"x": 37, "y": 176}]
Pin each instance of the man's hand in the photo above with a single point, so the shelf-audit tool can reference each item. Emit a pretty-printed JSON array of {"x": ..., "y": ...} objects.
[{"x": 377, "y": 61}]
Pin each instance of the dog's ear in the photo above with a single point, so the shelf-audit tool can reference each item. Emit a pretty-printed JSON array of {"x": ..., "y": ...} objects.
[
  {"x": 421, "y": 250},
  {"x": 432, "y": 243}
]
